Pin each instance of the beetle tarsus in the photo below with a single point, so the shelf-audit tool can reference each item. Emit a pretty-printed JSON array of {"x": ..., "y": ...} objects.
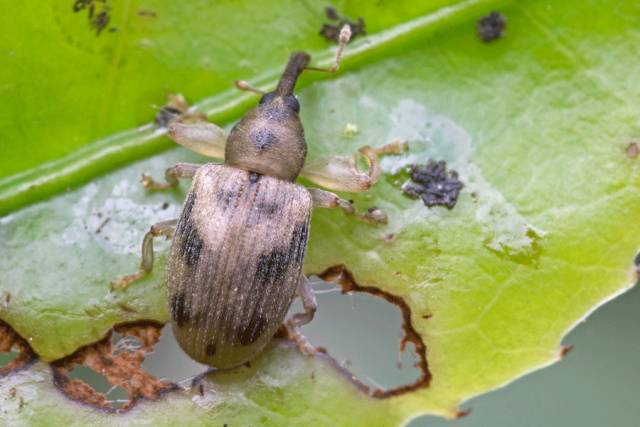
[
  {"x": 345, "y": 36},
  {"x": 302, "y": 342},
  {"x": 341, "y": 173},
  {"x": 171, "y": 175}
]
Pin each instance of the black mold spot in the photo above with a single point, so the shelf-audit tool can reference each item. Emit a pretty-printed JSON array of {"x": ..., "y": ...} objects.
[
  {"x": 433, "y": 184},
  {"x": 190, "y": 241},
  {"x": 491, "y": 27},
  {"x": 252, "y": 330},
  {"x": 210, "y": 349},
  {"x": 263, "y": 138},
  {"x": 98, "y": 13},
  {"x": 179, "y": 311},
  {"x": 332, "y": 31}
]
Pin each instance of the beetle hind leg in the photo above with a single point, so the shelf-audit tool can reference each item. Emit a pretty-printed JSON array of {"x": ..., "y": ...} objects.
[
  {"x": 294, "y": 323},
  {"x": 164, "y": 228}
]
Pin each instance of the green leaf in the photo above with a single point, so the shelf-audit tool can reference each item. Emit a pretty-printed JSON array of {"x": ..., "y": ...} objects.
[{"x": 537, "y": 124}]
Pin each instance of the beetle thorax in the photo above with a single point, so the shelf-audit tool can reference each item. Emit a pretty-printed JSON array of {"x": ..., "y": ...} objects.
[{"x": 269, "y": 140}]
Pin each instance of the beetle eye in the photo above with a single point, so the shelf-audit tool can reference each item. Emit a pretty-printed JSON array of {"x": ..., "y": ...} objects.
[
  {"x": 267, "y": 97},
  {"x": 292, "y": 102}
]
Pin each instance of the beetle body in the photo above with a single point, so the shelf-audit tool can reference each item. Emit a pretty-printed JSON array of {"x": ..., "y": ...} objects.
[
  {"x": 235, "y": 262},
  {"x": 236, "y": 257}
]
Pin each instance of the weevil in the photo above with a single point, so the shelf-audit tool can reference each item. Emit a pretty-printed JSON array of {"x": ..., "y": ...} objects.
[{"x": 235, "y": 262}]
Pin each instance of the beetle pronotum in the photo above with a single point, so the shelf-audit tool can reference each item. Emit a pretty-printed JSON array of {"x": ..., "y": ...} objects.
[{"x": 235, "y": 262}]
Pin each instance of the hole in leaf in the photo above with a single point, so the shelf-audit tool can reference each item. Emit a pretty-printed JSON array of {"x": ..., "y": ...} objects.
[
  {"x": 109, "y": 374},
  {"x": 15, "y": 353},
  {"x": 169, "y": 362},
  {"x": 363, "y": 333},
  {"x": 376, "y": 380},
  {"x": 115, "y": 396}
]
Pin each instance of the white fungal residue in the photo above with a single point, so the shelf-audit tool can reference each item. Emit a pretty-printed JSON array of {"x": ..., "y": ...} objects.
[
  {"x": 18, "y": 392},
  {"x": 113, "y": 221},
  {"x": 434, "y": 136}
]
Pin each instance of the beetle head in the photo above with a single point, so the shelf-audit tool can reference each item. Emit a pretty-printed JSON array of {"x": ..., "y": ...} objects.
[{"x": 270, "y": 139}]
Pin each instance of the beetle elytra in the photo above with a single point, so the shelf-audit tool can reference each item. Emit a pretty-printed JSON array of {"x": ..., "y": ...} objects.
[{"x": 235, "y": 263}]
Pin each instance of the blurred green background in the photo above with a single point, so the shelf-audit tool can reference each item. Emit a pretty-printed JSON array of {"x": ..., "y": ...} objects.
[{"x": 596, "y": 384}]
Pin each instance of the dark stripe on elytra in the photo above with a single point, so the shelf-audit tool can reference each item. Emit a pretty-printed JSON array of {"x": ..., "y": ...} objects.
[
  {"x": 227, "y": 198},
  {"x": 268, "y": 208},
  {"x": 272, "y": 267},
  {"x": 272, "y": 271},
  {"x": 298, "y": 243},
  {"x": 250, "y": 332},
  {"x": 179, "y": 311},
  {"x": 190, "y": 241}
]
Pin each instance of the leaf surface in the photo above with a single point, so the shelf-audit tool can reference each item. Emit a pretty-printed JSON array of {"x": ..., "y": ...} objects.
[{"x": 538, "y": 125}]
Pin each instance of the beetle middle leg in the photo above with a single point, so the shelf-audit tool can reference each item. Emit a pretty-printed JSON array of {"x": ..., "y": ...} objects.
[
  {"x": 326, "y": 199},
  {"x": 164, "y": 228},
  {"x": 293, "y": 324},
  {"x": 341, "y": 173},
  {"x": 171, "y": 175}
]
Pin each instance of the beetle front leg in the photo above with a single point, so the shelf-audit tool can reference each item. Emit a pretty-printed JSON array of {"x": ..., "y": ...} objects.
[
  {"x": 164, "y": 228},
  {"x": 341, "y": 173},
  {"x": 171, "y": 175},
  {"x": 200, "y": 136},
  {"x": 293, "y": 324}
]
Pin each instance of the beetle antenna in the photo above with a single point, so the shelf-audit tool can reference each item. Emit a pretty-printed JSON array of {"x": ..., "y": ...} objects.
[{"x": 345, "y": 36}]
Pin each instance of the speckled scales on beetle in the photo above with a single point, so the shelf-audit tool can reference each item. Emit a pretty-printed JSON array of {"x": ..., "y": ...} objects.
[{"x": 236, "y": 262}]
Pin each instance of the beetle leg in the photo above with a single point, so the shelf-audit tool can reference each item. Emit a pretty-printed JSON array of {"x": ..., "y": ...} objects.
[
  {"x": 176, "y": 109},
  {"x": 341, "y": 173},
  {"x": 171, "y": 175},
  {"x": 164, "y": 228},
  {"x": 200, "y": 136},
  {"x": 326, "y": 199},
  {"x": 293, "y": 324}
]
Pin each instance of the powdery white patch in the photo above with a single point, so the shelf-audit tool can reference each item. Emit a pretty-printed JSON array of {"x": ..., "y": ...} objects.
[
  {"x": 19, "y": 391},
  {"x": 113, "y": 222},
  {"x": 434, "y": 136}
]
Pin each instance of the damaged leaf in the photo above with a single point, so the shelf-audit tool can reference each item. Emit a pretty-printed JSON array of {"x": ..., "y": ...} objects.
[{"x": 537, "y": 126}]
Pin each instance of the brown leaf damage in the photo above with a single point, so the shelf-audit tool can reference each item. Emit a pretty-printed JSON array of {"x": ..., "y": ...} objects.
[
  {"x": 11, "y": 342},
  {"x": 120, "y": 365},
  {"x": 341, "y": 275}
]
